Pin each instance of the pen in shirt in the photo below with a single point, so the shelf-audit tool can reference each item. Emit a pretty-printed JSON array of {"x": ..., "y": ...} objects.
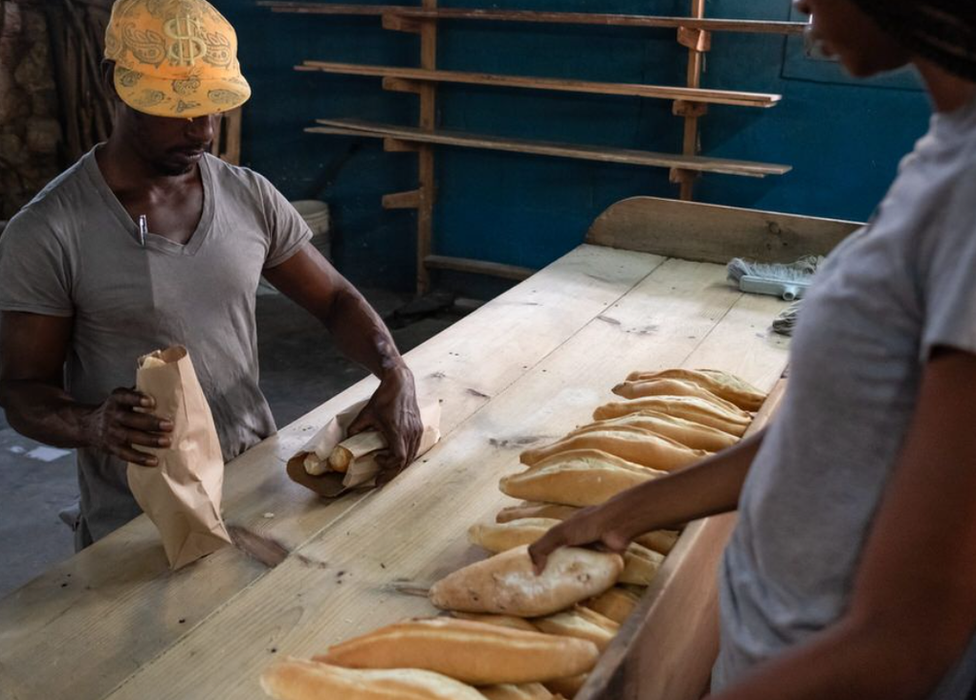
[{"x": 143, "y": 230}]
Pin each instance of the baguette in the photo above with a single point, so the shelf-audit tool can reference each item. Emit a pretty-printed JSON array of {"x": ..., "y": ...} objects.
[
  {"x": 687, "y": 407},
  {"x": 528, "y": 509},
  {"x": 525, "y": 691},
  {"x": 722, "y": 384},
  {"x": 580, "y": 624},
  {"x": 615, "y": 604},
  {"x": 640, "y": 563},
  {"x": 662, "y": 541},
  {"x": 515, "y": 623},
  {"x": 689, "y": 433},
  {"x": 355, "y": 447},
  {"x": 506, "y": 584},
  {"x": 636, "y": 446},
  {"x": 577, "y": 478},
  {"x": 643, "y": 388},
  {"x": 295, "y": 679},
  {"x": 568, "y": 687},
  {"x": 467, "y": 651}
]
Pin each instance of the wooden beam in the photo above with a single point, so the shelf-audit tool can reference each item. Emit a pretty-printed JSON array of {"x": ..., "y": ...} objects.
[
  {"x": 712, "y": 233},
  {"x": 425, "y": 165},
  {"x": 478, "y": 267},
  {"x": 390, "y": 145},
  {"x": 697, "y": 45},
  {"x": 401, "y": 85},
  {"x": 728, "y": 97},
  {"x": 403, "y": 200},
  {"x": 603, "y": 154},
  {"x": 585, "y": 18},
  {"x": 399, "y": 23}
]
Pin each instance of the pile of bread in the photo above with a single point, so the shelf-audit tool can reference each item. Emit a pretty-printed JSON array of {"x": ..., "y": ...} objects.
[{"x": 513, "y": 635}]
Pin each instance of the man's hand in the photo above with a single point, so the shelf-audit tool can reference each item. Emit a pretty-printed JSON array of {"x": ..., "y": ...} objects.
[
  {"x": 590, "y": 526},
  {"x": 393, "y": 411},
  {"x": 123, "y": 421}
]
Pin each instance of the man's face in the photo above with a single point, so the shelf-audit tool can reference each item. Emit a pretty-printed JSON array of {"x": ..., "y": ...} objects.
[
  {"x": 848, "y": 33},
  {"x": 172, "y": 145}
]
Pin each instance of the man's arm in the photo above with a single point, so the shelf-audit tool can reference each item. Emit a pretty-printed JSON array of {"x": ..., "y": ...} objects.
[
  {"x": 32, "y": 353},
  {"x": 308, "y": 279},
  {"x": 913, "y": 608},
  {"x": 707, "y": 488}
]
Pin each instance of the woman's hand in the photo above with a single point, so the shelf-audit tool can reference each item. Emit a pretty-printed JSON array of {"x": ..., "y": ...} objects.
[{"x": 590, "y": 526}]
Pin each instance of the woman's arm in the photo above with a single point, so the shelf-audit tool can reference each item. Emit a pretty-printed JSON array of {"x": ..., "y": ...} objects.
[
  {"x": 709, "y": 487},
  {"x": 913, "y": 608}
]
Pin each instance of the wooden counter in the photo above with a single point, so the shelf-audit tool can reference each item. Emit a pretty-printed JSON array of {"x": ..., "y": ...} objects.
[{"x": 114, "y": 622}]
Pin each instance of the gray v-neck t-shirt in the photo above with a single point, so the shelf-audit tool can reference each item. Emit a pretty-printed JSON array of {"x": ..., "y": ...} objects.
[
  {"x": 74, "y": 252},
  {"x": 886, "y": 297}
]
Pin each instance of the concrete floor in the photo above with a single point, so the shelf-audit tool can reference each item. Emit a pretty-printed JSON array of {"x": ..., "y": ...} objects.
[{"x": 300, "y": 369}]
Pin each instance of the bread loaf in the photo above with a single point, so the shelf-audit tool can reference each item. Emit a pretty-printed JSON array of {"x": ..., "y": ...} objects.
[
  {"x": 499, "y": 537},
  {"x": 722, "y": 384},
  {"x": 577, "y": 478},
  {"x": 580, "y": 623},
  {"x": 670, "y": 387},
  {"x": 528, "y": 509},
  {"x": 636, "y": 446},
  {"x": 525, "y": 691},
  {"x": 468, "y": 651},
  {"x": 568, "y": 687},
  {"x": 506, "y": 584},
  {"x": 687, "y": 407},
  {"x": 615, "y": 604},
  {"x": 355, "y": 447},
  {"x": 640, "y": 563},
  {"x": 662, "y": 541},
  {"x": 686, "y": 432},
  {"x": 515, "y": 623},
  {"x": 295, "y": 679}
]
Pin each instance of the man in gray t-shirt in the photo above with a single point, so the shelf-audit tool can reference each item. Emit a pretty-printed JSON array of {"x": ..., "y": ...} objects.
[{"x": 85, "y": 291}]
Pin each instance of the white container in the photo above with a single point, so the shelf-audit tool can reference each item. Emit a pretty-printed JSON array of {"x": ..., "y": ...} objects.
[{"x": 316, "y": 215}]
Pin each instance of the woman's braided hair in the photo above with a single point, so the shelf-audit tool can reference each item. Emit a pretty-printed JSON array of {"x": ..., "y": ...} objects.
[{"x": 943, "y": 31}]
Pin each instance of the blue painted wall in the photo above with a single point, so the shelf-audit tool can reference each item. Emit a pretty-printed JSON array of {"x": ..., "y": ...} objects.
[{"x": 843, "y": 138}]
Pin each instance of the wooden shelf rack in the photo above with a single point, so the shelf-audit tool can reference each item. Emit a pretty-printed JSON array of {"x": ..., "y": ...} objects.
[{"x": 689, "y": 102}]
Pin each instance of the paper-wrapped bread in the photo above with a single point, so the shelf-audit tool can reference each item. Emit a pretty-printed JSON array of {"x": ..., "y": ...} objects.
[
  {"x": 634, "y": 445},
  {"x": 577, "y": 478},
  {"x": 295, "y": 679},
  {"x": 722, "y": 384},
  {"x": 687, "y": 407},
  {"x": 506, "y": 584},
  {"x": 467, "y": 651},
  {"x": 689, "y": 433}
]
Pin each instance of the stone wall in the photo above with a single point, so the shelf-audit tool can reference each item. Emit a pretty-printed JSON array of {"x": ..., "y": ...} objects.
[{"x": 30, "y": 132}]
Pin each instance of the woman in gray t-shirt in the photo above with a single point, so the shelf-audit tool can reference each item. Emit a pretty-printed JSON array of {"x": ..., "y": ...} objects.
[{"x": 852, "y": 570}]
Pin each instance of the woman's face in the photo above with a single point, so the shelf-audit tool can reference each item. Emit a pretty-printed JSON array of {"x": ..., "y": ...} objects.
[{"x": 846, "y": 32}]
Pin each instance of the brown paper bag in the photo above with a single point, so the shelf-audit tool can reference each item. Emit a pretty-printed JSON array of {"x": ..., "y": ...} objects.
[
  {"x": 363, "y": 470},
  {"x": 181, "y": 495}
]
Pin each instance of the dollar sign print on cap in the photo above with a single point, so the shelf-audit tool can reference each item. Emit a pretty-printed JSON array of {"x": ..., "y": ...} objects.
[{"x": 174, "y": 58}]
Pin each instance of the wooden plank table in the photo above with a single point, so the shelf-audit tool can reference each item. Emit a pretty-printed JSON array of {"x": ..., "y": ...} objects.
[{"x": 113, "y": 621}]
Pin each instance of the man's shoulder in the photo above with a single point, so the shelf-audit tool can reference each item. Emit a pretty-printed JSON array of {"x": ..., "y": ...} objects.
[
  {"x": 228, "y": 174},
  {"x": 55, "y": 201}
]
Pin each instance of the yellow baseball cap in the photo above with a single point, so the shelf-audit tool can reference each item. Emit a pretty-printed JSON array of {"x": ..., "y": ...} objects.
[{"x": 174, "y": 58}]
